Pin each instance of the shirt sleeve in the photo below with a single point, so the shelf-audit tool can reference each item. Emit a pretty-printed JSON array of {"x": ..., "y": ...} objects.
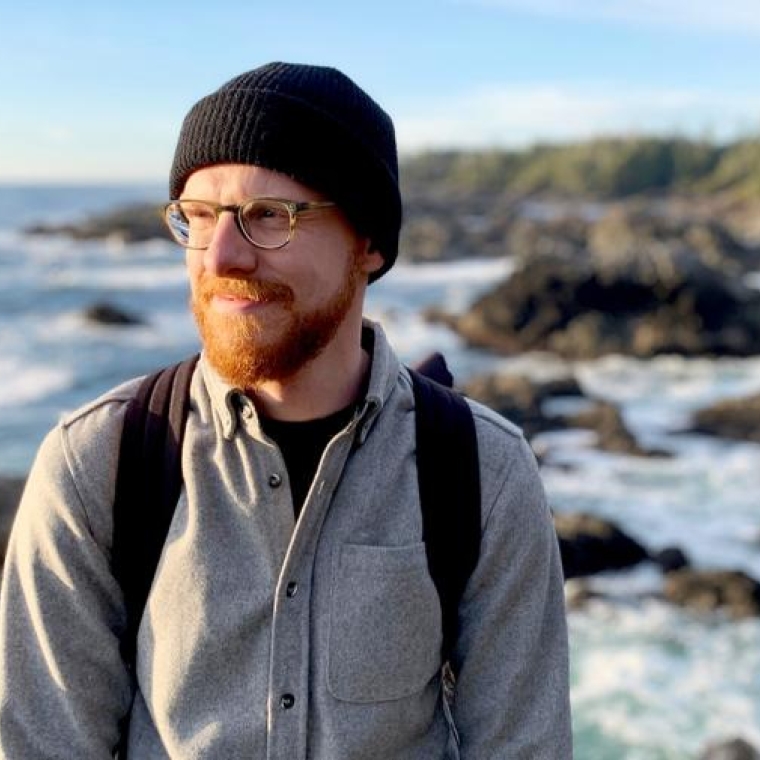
[
  {"x": 63, "y": 685},
  {"x": 512, "y": 694}
]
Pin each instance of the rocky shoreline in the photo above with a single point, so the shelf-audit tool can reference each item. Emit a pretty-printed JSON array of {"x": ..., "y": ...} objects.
[{"x": 642, "y": 277}]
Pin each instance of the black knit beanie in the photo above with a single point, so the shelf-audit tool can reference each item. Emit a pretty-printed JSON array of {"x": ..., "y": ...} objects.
[{"x": 311, "y": 123}]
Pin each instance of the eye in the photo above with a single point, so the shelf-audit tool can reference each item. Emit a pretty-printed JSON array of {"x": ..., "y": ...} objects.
[
  {"x": 266, "y": 212},
  {"x": 197, "y": 213}
]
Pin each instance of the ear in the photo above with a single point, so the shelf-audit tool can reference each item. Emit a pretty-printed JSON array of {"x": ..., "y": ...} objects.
[{"x": 370, "y": 259}]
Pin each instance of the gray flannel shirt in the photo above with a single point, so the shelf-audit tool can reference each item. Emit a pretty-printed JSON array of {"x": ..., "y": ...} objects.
[{"x": 266, "y": 638}]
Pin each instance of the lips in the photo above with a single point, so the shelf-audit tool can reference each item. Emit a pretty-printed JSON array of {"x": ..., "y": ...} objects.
[
  {"x": 229, "y": 295},
  {"x": 236, "y": 304}
]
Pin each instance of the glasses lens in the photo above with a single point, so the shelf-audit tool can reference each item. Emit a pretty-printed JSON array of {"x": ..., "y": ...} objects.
[
  {"x": 191, "y": 223},
  {"x": 267, "y": 223}
]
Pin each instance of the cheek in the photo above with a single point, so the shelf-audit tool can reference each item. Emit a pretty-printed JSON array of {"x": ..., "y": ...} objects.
[{"x": 194, "y": 267}]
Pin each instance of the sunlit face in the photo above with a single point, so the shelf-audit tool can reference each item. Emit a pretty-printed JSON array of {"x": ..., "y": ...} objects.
[{"x": 264, "y": 314}]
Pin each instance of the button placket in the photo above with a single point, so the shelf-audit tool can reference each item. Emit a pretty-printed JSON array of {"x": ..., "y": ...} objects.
[{"x": 289, "y": 676}]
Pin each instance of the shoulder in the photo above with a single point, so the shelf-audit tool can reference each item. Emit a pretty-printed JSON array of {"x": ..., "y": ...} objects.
[
  {"x": 72, "y": 478},
  {"x": 508, "y": 466},
  {"x": 106, "y": 404},
  {"x": 86, "y": 443},
  {"x": 500, "y": 441},
  {"x": 491, "y": 423},
  {"x": 89, "y": 436}
]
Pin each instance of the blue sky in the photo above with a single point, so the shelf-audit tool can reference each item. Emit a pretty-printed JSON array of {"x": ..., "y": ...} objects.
[{"x": 96, "y": 91}]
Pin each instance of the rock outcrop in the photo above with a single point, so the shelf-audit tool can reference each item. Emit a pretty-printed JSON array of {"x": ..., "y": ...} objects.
[
  {"x": 709, "y": 590},
  {"x": 736, "y": 418},
  {"x": 129, "y": 224},
  {"x": 591, "y": 545},
  {"x": 665, "y": 301},
  {"x": 521, "y": 400},
  {"x": 103, "y": 313},
  {"x": 731, "y": 749}
]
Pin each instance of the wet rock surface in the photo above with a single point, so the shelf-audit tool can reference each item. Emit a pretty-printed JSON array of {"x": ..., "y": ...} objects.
[
  {"x": 736, "y": 418},
  {"x": 584, "y": 308},
  {"x": 129, "y": 224},
  {"x": 522, "y": 401},
  {"x": 590, "y": 545},
  {"x": 732, "y": 591},
  {"x": 731, "y": 749},
  {"x": 104, "y": 313}
]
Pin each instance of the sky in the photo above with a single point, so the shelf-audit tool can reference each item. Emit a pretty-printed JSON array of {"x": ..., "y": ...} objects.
[{"x": 96, "y": 91}]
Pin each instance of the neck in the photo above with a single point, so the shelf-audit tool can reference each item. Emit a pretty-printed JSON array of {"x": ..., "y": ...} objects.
[{"x": 328, "y": 383}]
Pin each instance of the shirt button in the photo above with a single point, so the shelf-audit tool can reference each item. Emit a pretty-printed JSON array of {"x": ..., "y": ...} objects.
[
  {"x": 292, "y": 589},
  {"x": 287, "y": 701},
  {"x": 275, "y": 480}
]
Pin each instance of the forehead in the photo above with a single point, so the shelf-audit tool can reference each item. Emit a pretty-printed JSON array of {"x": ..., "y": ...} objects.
[{"x": 227, "y": 183}]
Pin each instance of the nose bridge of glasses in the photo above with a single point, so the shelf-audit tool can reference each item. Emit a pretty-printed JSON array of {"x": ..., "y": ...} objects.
[
  {"x": 227, "y": 246},
  {"x": 236, "y": 210}
]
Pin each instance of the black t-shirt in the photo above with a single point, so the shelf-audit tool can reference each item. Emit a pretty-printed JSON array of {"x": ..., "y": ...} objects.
[{"x": 302, "y": 445}]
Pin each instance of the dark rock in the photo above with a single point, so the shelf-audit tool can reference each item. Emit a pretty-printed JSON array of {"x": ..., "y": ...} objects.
[
  {"x": 433, "y": 232},
  {"x": 130, "y": 224},
  {"x": 738, "y": 419},
  {"x": 710, "y": 590},
  {"x": 520, "y": 399},
  {"x": 590, "y": 545},
  {"x": 611, "y": 431},
  {"x": 10, "y": 494},
  {"x": 670, "y": 559},
  {"x": 108, "y": 314},
  {"x": 630, "y": 228},
  {"x": 733, "y": 749},
  {"x": 626, "y": 229},
  {"x": 664, "y": 300},
  {"x": 562, "y": 237}
]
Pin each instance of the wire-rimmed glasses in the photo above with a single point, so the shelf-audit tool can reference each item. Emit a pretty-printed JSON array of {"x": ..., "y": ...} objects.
[{"x": 265, "y": 222}]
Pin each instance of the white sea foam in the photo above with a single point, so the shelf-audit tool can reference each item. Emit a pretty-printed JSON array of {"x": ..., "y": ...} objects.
[
  {"x": 22, "y": 382},
  {"x": 661, "y": 682},
  {"x": 449, "y": 286},
  {"x": 705, "y": 503},
  {"x": 470, "y": 271},
  {"x": 130, "y": 277},
  {"x": 661, "y": 393}
]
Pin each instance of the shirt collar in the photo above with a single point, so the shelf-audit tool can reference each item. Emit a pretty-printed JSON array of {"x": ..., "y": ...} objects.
[
  {"x": 225, "y": 398},
  {"x": 228, "y": 402}
]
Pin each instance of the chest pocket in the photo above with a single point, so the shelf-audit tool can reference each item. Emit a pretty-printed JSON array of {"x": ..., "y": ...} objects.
[{"x": 385, "y": 623}]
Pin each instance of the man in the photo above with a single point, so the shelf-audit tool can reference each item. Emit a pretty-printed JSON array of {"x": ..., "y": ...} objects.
[{"x": 292, "y": 614}]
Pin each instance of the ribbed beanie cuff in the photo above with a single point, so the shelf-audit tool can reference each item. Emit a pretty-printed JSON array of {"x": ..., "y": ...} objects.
[{"x": 311, "y": 123}]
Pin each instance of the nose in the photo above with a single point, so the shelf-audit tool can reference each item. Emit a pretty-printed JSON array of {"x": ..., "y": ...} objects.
[{"x": 229, "y": 253}]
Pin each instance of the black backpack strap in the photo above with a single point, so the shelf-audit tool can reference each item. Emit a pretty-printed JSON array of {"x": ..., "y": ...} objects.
[
  {"x": 148, "y": 485},
  {"x": 448, "y": 471}
]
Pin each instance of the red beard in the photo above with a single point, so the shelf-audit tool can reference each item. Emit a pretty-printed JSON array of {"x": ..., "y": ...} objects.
[{"x": 248, "y": 349}]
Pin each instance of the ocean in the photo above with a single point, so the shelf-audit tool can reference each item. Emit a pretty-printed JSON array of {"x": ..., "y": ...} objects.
[{"x": 649, "y": 681}]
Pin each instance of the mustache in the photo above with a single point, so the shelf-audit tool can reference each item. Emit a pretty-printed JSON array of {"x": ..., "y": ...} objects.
[{"x": 260, "y": 291}]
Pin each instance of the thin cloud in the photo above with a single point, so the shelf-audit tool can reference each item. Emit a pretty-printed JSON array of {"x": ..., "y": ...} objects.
[
  {"x": 728, "y": 15},
  {"x": 521, "y": 115}
]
